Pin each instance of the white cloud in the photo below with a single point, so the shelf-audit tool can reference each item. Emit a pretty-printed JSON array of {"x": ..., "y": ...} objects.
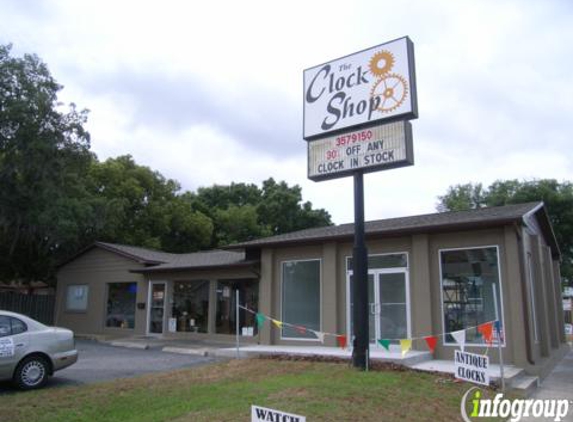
[{"x": 211, "y": 93}]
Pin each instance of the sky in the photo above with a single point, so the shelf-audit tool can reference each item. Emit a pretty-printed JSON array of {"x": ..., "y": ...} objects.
[{"x": 211, "y": 92}]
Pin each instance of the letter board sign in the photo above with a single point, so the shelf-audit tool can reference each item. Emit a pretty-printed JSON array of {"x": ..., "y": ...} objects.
[
  {"x": 377, "y": 148},
  {"x": 360, "y": 90}
]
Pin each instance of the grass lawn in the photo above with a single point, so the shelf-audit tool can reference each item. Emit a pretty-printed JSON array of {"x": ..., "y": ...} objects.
[{"x": 225, "y": 391}]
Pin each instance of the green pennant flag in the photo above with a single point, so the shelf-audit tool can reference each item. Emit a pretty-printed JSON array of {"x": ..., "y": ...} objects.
[
  {"x": 260, "y": 320},
  {"x": 385, "y": 344}
]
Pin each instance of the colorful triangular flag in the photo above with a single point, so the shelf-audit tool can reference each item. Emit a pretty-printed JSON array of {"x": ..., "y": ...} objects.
[
  {"x": 260, "y": 320},
  {"x": 460, "y": 338},
  {"x": 341, "y": 341},
  {"x": 405, "y": 346},
  {"x": 300, "y": 329},
  {"x": 486, "y": 330},
  {"x": 279, "y": 324},
  {"x": 320, "y": 335},
  {"x": 431, "y": 341},
  {"x": 384, "y": 343}
]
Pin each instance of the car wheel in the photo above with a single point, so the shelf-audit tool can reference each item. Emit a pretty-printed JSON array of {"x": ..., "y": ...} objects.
[{"x": 31, "y": 373}]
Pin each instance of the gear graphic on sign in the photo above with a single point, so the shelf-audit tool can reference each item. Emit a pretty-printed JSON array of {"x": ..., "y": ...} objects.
[
  {"x": 392, "y": 90},
  {"x": 381, "y": 63}
]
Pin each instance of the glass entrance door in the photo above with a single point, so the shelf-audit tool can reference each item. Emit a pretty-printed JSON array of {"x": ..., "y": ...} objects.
[
  {"x": 392, "y": 307},
  {"x": 388, "y": 307},
  {"x": 156, "y": 308}
]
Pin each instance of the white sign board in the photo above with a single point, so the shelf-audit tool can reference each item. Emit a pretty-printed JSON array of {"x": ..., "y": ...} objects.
[
  {"x": 6, "y": 347},
  {"x": 376, "y": 148},
  {"x": 172, "y": 326},
  {"x": 471, "y": 367},
  {"x": 262, "y": 414},
  {"x": 361, "y": 89}
]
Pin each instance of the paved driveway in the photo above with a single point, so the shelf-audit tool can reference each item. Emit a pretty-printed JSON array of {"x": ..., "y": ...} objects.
[{"x": 101, "y": 362}]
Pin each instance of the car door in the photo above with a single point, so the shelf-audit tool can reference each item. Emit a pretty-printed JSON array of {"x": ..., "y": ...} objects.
[{"x": 14, "y": 342}]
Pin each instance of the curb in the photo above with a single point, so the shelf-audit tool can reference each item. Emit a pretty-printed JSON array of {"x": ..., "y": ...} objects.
[
  {"x": 129, "y": 345},
  {"x": 186, "y": 351}
]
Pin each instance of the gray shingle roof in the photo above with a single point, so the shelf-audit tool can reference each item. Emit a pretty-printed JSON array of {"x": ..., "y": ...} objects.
[
  {"x": 146, "y": 256},
  {"x": 420, "y": 223},
  {"x": 200, "y": 260},
  {"x": 163, "y": 261}
]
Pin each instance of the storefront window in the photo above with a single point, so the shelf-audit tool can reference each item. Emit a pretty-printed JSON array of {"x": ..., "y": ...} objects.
[
  {"x": 191, "y": 305},
  {"x": 469, "y": 277},
  {"x": 77, "y": 297},
  {"x": 301, "y": 298},
  {"x": 226, "y": 306},
  {"x": 121, "y": 305}
]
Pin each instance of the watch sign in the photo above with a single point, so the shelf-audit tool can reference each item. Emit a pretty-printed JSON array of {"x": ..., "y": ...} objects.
[
  {"x": 375, "y": 148},
  {"x": 362, "y": 89}
]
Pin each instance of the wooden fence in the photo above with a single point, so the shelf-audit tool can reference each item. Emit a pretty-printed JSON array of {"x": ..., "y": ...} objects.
[{"x": 38, "y": 307}]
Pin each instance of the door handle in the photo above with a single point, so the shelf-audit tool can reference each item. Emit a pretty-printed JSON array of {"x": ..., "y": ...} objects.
[{"x": 20, "y": 345}]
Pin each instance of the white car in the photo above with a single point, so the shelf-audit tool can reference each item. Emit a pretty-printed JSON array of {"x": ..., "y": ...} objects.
[{"x": 30, "y": 351}]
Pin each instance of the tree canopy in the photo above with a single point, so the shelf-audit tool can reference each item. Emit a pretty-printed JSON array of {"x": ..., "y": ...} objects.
[
  {"x": 44, "y": 155},
  {"x": 57, "y": 197},
  {"x": 558, "y": 198}
]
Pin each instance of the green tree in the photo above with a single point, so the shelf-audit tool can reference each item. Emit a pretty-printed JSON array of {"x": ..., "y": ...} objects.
[
  {"x": 281, "y": 209},
  {"x": 138, "y": 206},
  {"x": 242, "y": 212},
  {"x": 558, "y": 198},
  {"x": 44, "y": 155}
]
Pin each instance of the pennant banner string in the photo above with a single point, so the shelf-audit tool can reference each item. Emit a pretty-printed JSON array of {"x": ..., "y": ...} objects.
[{"x": 299, "y": 328}]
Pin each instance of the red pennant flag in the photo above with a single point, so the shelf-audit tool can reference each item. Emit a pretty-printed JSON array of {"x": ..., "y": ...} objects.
[
  {"x": 299, "y": 329},
  {"x": 431, "y": 341},
  {"x": 486, "y": 330},
  {"x": 341, "y": 341}
]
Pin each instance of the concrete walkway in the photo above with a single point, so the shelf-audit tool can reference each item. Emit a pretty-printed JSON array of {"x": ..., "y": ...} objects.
[{"x": 557, "y": 385}]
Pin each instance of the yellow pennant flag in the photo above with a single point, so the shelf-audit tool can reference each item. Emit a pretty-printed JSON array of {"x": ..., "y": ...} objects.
[
  {"x": 405, "y": 346},
  {"x": 279, "y": 324}
]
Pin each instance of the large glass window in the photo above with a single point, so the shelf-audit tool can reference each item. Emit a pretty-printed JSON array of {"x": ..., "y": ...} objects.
[
  {"x": 191, "y": 305},
  {"x": 121, "y": 305},
  {"x": 226, "y": 320},
  {"x": 468, "y": 280},
  {"x": 77, "y": 297},
  {"x": 301, "y": 298}
]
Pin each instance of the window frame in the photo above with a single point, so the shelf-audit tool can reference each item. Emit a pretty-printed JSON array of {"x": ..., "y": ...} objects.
[
  {"x": 87, "y": 292},
  {"x": 502, "y": 310},
  {"x": 375, "y": 272},
  {"x": 11, "y": 320},
  {"x": 282, "y": 337},
  {"x": 107, "y": 286}
]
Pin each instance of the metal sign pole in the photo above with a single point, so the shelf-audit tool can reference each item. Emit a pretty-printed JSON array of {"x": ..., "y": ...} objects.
[
  {"x": 360, "y": 284},
  {"x": 237, "y": 320},
  {"x": 499, "y": 349}
]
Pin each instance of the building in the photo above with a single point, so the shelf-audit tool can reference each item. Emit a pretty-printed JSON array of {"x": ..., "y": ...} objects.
[{"x": 428, "y": 275}]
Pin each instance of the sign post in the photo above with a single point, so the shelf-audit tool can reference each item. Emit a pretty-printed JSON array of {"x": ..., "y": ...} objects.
[
  {"x": 360, "y": 350},
  {"x": 356, "y": 120}
]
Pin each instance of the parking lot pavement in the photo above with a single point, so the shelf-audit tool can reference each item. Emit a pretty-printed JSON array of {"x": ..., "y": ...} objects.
[{"x": 102, "y": 362}]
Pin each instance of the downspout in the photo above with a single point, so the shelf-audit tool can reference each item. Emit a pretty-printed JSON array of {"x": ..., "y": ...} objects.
[{"x": 525, "y": 307}]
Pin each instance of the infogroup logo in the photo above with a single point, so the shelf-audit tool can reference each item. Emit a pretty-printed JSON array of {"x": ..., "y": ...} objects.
[{"x": 515, "y": 409}]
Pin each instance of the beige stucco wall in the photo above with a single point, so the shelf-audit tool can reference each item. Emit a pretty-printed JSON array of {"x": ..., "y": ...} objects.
[
  {"x": 96, "y": 268},
  {"x": 424, "y": 285}
]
